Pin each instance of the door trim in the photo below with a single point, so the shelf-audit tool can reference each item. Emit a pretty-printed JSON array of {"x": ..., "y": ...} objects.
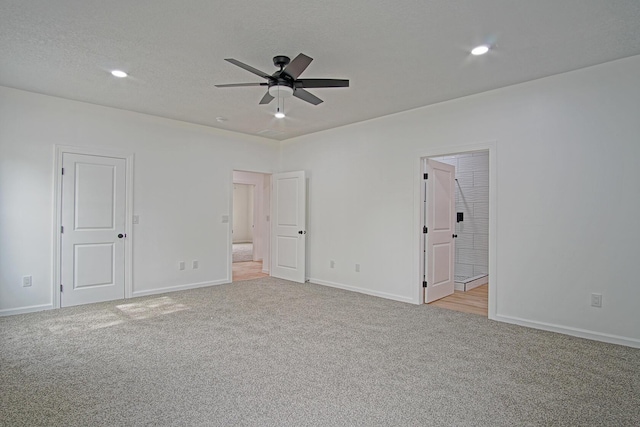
[
  {"x": 491, "y": 147},
  {"x": 57, "y": 214}
]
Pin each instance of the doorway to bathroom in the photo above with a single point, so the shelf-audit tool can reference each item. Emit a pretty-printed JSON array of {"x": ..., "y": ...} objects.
[{"x": 455, "y": 214}]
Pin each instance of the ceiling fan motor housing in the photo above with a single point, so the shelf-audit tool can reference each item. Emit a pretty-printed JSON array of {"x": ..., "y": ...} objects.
[{"x": 279, "y": 85}]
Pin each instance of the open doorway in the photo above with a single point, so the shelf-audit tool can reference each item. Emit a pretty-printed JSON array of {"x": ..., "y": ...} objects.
[
  {"x": 250, "y": 232},
  {"x": 456, "y": 261},
  {"x": 243, "y": 222}
]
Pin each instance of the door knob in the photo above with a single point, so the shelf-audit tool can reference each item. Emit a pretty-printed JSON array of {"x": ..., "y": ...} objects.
[
  {"x": 120, "y": 236},
  {"x": 302, "y": 232},
  {"x": 454, "y": 236}
]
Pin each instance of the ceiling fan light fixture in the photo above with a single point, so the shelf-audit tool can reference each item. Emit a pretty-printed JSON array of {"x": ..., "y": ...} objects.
[
  {"x": 480, "y": 50},
  {"x": 279, "y": 114},
  {"x": 280, "y": 91}
]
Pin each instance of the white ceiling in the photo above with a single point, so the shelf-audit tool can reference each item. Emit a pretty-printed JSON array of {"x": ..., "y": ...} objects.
[{"x": 398, "y": 54}]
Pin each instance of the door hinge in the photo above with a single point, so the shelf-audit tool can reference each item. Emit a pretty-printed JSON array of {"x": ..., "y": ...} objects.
[
  {"x": 62, "y": 171},
  {"x": 426, "y": 176},
  {"x": 60, "y": 287},
  {"x": 424, "y": 284},
  {"x": 61, "y": 229},
  {"x": 425, "y": 229}
]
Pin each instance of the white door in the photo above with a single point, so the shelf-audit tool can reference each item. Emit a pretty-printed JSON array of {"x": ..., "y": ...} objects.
[
  {"x": 440, "y": 223},
  {"x": 93, "y": 229},
  {"x": 288, "y": 241}
]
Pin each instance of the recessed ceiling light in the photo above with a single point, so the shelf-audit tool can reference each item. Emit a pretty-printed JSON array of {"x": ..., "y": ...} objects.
[
  {"x": 221, "y": 119},
  {"x": 119, "y": 73},
  {"x": 480, "y": 50}
]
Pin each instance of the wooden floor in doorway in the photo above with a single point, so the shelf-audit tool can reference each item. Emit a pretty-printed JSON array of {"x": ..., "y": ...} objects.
[
  {"x": 475, "y": 301},
  {"x": 247, "y": 270}
]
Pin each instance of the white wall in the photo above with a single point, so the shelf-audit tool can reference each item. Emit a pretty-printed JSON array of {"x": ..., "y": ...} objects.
[
  {"x": 182, "y": 188},
  {"x": 243, "y": 213},
  {"x": 568, "y": 190}
]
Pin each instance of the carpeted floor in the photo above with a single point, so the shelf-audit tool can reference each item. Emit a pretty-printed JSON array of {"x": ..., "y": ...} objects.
[
  {"x": 273, "y": 353},
  {"x": 242, "y": 252}
]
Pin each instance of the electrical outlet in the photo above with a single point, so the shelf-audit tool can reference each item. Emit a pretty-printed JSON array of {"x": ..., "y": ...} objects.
[
  {"x": 332, "y": 264},
  {"x": 181, "y": 265},
  {"x": 194, "y": 264},
  {"x": 26, "y": 281},
  {"x": 225, "y": 219},
  {"x": 596, "y": 300},
  {"x": 136, "y": 219},
  {"x": 357, "y": 268}
]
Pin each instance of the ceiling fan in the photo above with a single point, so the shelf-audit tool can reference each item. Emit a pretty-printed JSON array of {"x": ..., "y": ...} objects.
[{"x": 285, "y": 81}]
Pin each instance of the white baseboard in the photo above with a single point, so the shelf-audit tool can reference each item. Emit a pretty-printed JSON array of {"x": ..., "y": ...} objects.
[
  {"x": 576, "y": 332},
  {"x": 34, "y": 308},
  {"x": 29, "y": 309},
  {"x": 361, "y": 290},
  {"x": 179, "y": 288}
]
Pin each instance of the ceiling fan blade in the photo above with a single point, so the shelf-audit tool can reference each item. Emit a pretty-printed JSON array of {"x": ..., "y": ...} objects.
[
  {"x": 307, "y": 96},
  {"x": 249, "y": 68},
  {"x": 267, "y": 98},
  {"x": 242, "y": 84},
  {"x": 298, "y": 65},
  {"x": 314, "y": 83}
]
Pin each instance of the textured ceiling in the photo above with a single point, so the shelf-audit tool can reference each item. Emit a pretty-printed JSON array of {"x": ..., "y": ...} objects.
[{"x": 398, "y": 54}]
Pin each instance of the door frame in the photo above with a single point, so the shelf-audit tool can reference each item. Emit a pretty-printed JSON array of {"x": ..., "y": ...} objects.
[
  {"x": 129, "y": 157},
  {"x": 491, "y": 147}
]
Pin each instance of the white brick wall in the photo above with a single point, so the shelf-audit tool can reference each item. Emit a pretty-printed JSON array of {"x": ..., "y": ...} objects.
[{"x": 472, "y": 198}]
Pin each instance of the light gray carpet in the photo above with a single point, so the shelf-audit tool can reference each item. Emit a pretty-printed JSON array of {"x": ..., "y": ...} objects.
[
  {"x": 242, "y": 252},
  {"x": 273, "y": 353}
]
